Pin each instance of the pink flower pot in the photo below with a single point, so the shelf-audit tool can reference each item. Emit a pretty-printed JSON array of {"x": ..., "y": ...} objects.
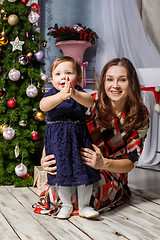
[{"x": 74, "y": 48}]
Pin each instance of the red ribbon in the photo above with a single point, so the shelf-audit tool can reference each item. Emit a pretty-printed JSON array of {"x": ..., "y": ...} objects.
[{"x": 153, "y": 89}]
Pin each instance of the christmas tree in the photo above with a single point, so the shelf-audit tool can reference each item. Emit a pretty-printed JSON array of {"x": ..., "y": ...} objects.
[{"x": 22, "y": 124}]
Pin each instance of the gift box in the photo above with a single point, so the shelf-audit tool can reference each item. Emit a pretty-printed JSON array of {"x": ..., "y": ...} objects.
[{"x": 40, "y": 177}]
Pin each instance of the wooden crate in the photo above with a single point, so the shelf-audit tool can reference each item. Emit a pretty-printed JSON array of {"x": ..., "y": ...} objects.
[{"x": 40, "y": 177}]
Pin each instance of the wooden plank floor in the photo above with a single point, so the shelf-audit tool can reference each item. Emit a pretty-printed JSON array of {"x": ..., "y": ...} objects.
[{"x": 137, "y": 219}]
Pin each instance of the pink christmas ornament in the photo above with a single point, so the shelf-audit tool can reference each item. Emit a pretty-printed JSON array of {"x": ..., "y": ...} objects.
[
  {"x": 21, "y": 170},
  {"x": 31, "y": 91},
  {"x": 14, "y": 75},
  {"x": 33, "y": 17},
  {"x": 8, "y": 133},
  {"x": 27, "y": 34},
  {"x": 44, "y": 77}
]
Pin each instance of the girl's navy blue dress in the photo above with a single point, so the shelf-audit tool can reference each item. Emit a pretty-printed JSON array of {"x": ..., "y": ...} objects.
[{"x": 66, "y": 132}]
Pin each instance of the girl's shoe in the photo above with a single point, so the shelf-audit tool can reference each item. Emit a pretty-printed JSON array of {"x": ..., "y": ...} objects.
[
  {"x": 65, "y": 211},
  {"x": 88, "y": 212}
]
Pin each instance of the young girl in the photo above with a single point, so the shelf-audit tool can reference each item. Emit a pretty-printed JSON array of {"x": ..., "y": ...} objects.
[{"x": 66, "y": 133}]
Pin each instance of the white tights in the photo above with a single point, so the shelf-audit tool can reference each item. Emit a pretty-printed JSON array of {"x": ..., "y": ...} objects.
[{"x": 84, "y": 195}]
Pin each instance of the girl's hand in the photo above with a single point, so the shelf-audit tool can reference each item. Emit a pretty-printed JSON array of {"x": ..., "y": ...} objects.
[
  {"x": 66, "y": 91},
  {"x": 49, "y": 164},
  {"x": 92, "y": 158}
]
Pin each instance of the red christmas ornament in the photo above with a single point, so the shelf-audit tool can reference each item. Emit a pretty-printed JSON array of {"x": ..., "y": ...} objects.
[
  {"x": 24, "y": 1},
  {"x": 26, "y": 176},
  {"x": 35, "y": 135},
  {"x": 34, "y": 7},
  {"x": 12, "y": 103},
  {"x": 1, "y": 92}
]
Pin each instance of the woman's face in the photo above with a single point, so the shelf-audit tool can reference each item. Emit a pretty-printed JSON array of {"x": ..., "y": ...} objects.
[
  {"x": 116, "y": 84},
  {"x": 63, "y": 71}
]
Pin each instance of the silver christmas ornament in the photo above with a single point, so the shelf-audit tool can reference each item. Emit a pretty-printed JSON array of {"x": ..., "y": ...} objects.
[
  {"x": 21, "y": 170},
  {"x": 23, "y": 123},
  {"x": 9, "y": 133},
  {"x": 31, "y": 91}
]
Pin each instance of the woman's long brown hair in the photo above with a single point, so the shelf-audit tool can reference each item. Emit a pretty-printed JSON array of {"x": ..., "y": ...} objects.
[{"x": 136, "y": 112}]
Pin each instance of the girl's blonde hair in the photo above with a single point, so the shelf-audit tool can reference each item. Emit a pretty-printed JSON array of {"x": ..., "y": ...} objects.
[
  {"x": 136, "y": 112},
  {"x": 75, "y": 63}
]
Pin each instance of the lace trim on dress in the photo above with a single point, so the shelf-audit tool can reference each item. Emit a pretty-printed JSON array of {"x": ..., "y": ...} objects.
[{"x": 68, "y": 121}]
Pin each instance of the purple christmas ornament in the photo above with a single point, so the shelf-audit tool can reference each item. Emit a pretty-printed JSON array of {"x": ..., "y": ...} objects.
[{"x": 39, "y": 55}]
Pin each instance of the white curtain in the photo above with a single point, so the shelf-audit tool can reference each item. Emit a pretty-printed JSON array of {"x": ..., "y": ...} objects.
[
  {"x": 121, "y": 34},
  {"x": 150, "y": 155}
]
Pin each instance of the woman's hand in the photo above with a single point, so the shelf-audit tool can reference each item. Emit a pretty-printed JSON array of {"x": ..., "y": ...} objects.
[
  {"x": 92, "y": 158},
  {"x": 49, "y": 164}
]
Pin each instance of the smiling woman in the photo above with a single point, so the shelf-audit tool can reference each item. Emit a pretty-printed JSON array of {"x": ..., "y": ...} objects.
[{"x": 117, "y": 139}]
